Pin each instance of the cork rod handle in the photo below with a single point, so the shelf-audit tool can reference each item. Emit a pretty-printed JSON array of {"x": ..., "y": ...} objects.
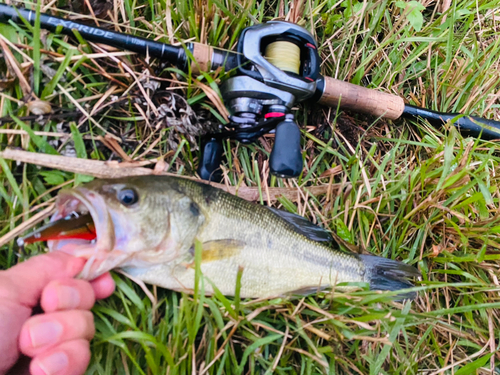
[
  {"x": 202, "y": 54},
  {"x": 361, "y": 99}
]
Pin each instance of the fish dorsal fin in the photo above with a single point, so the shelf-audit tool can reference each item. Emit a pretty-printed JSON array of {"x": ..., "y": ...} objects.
[
  {"x": 220, "y": 249},
  {"x": 304, "y": 226}
]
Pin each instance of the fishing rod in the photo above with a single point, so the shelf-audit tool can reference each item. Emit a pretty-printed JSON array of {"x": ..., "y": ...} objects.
[{"x": 276, "y": 66}]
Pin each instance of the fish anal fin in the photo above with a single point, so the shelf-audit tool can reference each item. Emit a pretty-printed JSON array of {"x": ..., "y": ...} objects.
[
  {"x": 307, "y": 290},
  {"x": 220, "y": 249}
]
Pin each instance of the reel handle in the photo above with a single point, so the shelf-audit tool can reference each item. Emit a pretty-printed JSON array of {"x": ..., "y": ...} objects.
[
  {"x": 211, "y": 157},
  {"x": 286, "y": 157}
]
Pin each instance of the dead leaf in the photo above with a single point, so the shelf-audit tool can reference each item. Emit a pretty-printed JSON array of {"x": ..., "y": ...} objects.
[
  {"x": 214, "y": 98},
  {"x": 39, "y": 107},
  {"x": 436, "y": 250},
  {"x": 15, "y": 66}
]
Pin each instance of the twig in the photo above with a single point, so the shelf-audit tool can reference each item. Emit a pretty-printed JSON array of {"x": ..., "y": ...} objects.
[
  {"x": 47, "y": 117},
  {"x": 113, "y": 169}
]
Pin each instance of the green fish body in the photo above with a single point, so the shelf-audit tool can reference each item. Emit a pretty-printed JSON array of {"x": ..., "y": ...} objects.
[{"x": 149, "y": 226}]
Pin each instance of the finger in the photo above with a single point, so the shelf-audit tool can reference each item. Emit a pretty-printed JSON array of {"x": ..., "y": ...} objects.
[
  {"x": 24, "y": 282},
  {"x": 42, "y": 332},
  {"x": 68, "y": 358},
  {"x": 12, "y": 317},
  {"x": 104, "y": 286},
  {"x": 67, "y": 294}
]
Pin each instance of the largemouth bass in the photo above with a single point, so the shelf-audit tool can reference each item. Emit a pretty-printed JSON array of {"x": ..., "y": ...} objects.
[{"x": 149, "y": 225}]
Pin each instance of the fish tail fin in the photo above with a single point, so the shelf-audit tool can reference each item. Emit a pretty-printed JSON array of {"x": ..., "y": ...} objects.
[{"x": 388, "y": 274}]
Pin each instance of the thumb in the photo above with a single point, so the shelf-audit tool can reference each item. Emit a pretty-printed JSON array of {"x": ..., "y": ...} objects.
[{"x": 24, "y": 282}]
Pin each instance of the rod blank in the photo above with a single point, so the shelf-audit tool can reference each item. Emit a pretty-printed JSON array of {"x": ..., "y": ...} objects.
[
  {"x": 468, "y": 125},
  {"x": 176, "y": 55},
  {"x": 204, "y": 57}
]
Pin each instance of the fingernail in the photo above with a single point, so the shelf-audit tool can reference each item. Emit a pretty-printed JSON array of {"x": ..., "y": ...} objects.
[
  {"x": 45, "y": 333},
  {"x": 67, "y": 297},
  {"x": 53, "y": 363}
]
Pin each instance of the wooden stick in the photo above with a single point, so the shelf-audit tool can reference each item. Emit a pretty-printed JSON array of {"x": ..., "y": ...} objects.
[{"x": 114, "y": 169}]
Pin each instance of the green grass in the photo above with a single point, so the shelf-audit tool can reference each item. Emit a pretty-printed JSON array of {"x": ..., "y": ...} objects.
[{"x": 408, "y": 191}]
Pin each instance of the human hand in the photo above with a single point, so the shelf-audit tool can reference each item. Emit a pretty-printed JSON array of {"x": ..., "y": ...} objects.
[{"x": 58, "y": 339}]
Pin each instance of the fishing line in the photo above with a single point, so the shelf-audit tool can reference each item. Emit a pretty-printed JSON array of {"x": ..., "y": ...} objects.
[{"x": 284, "y": 55}]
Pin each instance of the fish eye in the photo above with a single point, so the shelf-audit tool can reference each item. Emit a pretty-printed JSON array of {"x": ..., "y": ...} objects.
[{"x": 127, "y": 197}]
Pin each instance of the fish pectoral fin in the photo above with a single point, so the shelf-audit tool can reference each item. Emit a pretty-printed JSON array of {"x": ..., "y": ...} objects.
[
  {"x": 303, "y": 226},
  {"x": 220, "y": 249}
]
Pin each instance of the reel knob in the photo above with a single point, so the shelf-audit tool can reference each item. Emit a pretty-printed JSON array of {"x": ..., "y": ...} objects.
[
  {"x": 211, "y": 157},
  {"x": 286, "y": 157}
]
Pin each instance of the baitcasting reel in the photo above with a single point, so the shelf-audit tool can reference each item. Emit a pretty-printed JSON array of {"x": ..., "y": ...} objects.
[{"x": 278, "y": 65}]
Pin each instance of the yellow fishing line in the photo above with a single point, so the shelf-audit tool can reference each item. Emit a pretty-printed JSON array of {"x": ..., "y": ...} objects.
[{"x": 284, "y": 55}]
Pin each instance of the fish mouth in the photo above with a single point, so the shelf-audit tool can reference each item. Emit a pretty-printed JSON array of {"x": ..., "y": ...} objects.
[{"x": 100, "y": 253}]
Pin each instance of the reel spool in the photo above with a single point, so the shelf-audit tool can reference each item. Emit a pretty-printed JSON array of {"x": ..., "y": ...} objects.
[
  {"x": 281, "y": 55},
  {"x": 284, "y": 55}
]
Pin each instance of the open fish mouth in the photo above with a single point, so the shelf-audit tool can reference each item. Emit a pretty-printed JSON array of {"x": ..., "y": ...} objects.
[{"x": 82, "y": 227}]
